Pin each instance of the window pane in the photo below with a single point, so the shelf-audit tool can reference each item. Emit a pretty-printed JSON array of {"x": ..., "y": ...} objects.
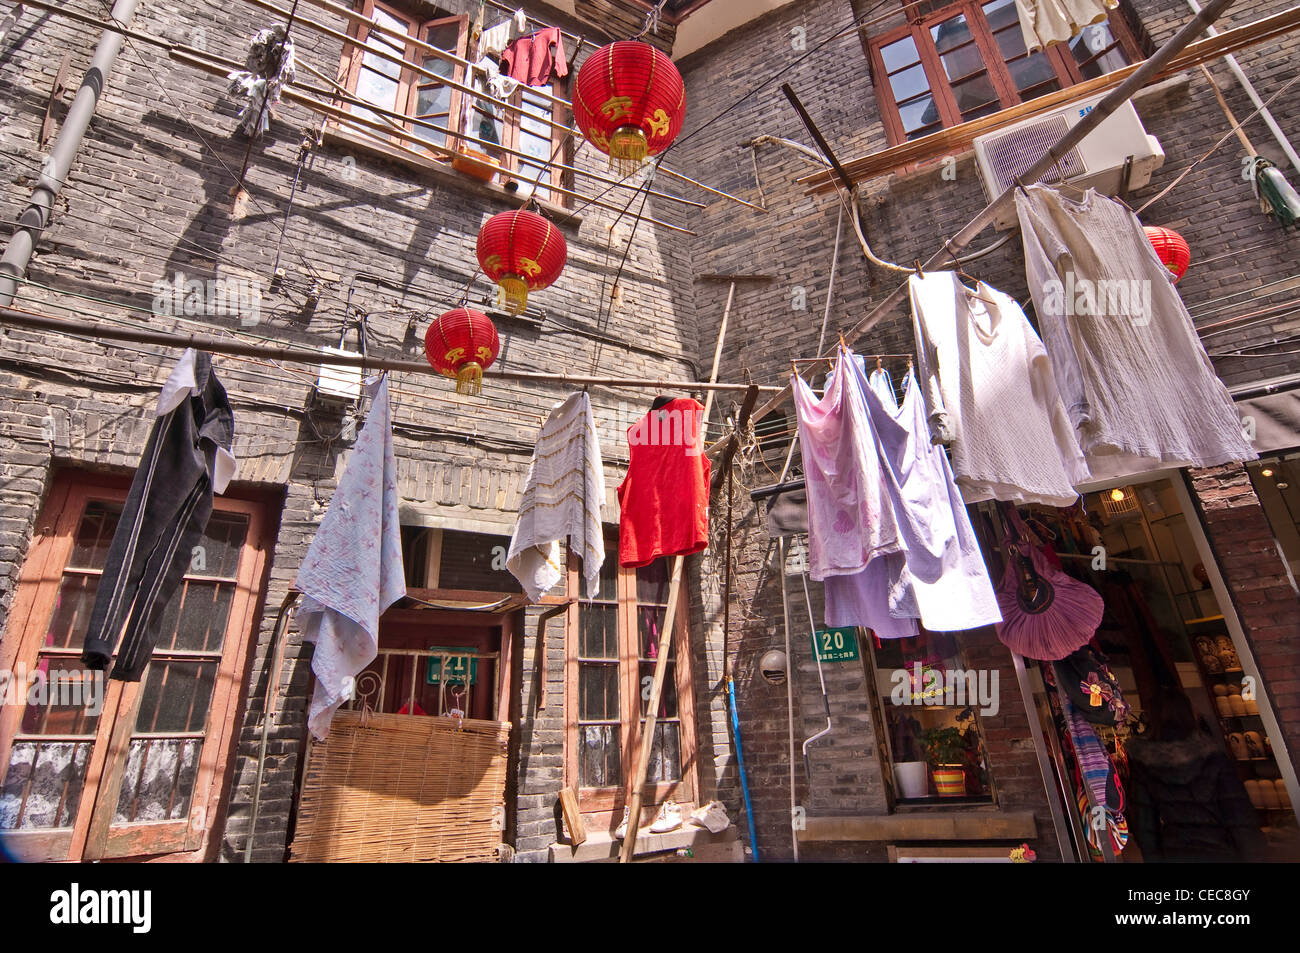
[
  {"x": 919, "y": 113},
  {"x": 1092, "y": 41},
  {"x": 951, "y": 34},
  {"x": 444, "y": 36},
  {"x": 176, "y": 696},
  {"x": 974, "y": 94},
  {"x": 71, "y": 615},
  {"x": 1002, "y": 13},
  {"x": 376, "y": 89},
  {"x": 90, "y": 550},
  {"x": 598, "y": 631},
  {"x": 599, "y": 760},
  {"x": 899, "y": 54},
  {"x": 158, "y": 780},
  {"x": 432, "y": 101},
  {"x": 1034, "y": 75},
  {"x": 63, "y": 698},
  {"x": 652, "y": 583},
  {"x": 218, "y": 551},
  {"x": 665, "y": 754},
  {"x": 667, "y": 695},
  {"x": 909, "y": 82},
  {"x": 195, "y": 618},
  {"x": 43, "y": 784},
  {"x": 598, "y": 692}
]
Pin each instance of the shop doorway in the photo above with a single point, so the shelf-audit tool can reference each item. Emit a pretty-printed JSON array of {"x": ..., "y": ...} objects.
[{"x": 1195, "y": 769}]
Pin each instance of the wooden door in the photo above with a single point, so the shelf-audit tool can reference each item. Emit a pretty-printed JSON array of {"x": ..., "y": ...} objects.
[{"x": 98, "y": 768}]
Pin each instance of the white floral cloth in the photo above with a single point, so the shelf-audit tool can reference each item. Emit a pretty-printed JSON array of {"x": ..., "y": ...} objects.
[{"x": 353, "y": 569}]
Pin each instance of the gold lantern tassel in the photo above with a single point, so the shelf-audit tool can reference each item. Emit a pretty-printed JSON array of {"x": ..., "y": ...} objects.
[
  {"x": 469, "y": 379},
  {"x": 628, "y": 149},
  {"x": 512, "y": 294}
]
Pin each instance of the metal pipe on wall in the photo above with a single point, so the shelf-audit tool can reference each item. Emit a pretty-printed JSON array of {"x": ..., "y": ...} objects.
[
  {"x": 1250, "y": 90},
  {"x": 35, "y": 218}
]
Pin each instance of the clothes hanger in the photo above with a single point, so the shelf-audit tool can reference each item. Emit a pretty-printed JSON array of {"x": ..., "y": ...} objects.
[{"x": 1061, "y": 183}]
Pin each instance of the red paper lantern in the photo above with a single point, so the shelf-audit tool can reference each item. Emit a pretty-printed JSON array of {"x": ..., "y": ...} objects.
[
  {"x": 520, "y": 251},
  {"x": 629, "y": 101},
  {"x": 1171, "y": 248},
  {"x": 462, "y": 344}
]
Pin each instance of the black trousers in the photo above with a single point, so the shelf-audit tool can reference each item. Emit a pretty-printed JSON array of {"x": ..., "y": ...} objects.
[{"x": 166, "y": 512}]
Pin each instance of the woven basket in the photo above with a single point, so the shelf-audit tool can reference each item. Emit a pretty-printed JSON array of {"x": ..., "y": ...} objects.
[{"x": 403, "y": 789}]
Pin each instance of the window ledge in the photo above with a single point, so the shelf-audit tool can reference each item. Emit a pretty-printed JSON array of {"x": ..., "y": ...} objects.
[
  {"x": 443, "y": 174},
  {"x": 600, "y": 847},
  {"x": 968, "y": 824}
]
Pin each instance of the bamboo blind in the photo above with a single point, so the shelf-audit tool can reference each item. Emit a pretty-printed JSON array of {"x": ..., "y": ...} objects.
[{"x": 403, "y": 789}]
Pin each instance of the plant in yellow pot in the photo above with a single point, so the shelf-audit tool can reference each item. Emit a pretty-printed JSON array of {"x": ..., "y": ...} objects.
[{"x": 945, "y": 750}]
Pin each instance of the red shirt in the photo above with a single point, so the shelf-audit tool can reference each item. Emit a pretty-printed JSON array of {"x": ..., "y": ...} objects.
[
  {"x": 529, "y": 59},
  {"x": 664, "y": 499}
]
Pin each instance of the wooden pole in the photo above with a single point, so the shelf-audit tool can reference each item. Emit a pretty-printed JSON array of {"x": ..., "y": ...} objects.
[
  {"x": 664, "y": 648},
  {"x": 1113, "y": 100},
  {"x": 215, "y": 345}
]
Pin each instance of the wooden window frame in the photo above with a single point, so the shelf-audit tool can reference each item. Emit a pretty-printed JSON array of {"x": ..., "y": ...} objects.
[
  {"x": 92, "y": 834},
  {"x": 408, "y": 86},
  {"x": 1067, "y": 69},
  {"x": 611, "y": 800}
]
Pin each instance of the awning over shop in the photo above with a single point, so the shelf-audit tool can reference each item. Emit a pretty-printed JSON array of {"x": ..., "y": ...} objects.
[{"x": 1275, "y": 419}]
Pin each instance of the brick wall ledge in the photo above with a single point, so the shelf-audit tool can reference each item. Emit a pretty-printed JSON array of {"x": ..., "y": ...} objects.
[
  {"x": 443, "y": 174},
  {"x": 949, "y": 826}
]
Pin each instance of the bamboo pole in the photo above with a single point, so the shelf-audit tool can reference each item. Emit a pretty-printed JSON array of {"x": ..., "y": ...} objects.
[
  {"x": 664, "y": 648},
  {"x": 1113, "y": 100},
  {"x": 214, "y": 345}
]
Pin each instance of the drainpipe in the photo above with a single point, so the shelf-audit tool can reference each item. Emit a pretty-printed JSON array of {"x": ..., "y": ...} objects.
[
  {"x": 1249, "y": 87},
  {"x": 36, "y": 217}
]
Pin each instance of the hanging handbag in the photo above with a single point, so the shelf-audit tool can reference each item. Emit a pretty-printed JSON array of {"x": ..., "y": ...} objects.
[
  {"x": 1046, "y": 614},
  {"x": 1091, "y": 687}
]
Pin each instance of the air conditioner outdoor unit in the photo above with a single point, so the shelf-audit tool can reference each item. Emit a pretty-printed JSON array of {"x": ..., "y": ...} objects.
[{"x": 1096, "y": 162}]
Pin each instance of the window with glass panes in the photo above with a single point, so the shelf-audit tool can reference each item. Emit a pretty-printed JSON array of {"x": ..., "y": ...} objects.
[
  {"x": 955, "y": 62},
  {"x": 613, "y": 647},
  {"x": 522, "y": 141},
  {"x": 134, "y": 768}
]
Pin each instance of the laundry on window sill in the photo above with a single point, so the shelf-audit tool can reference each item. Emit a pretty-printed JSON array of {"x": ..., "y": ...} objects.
[
  {"x": 495, "y": 40},
  {"x": 1043, "y": 22},
  {"x": 185, "y": 461},
  {"x": 534, "y": 59}
]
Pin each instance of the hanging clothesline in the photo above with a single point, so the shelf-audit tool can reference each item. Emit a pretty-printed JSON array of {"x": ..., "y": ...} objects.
[{"x": 27, "y": 319}]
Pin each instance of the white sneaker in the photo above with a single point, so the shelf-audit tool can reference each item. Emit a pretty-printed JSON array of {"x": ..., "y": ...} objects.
[
  {"x": 621, "y": 831},
  {"x": 668, "y": 819}
]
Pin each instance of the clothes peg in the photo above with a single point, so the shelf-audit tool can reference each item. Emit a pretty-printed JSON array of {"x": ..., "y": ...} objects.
[
  {"x": 842, "y": 344},
  {"x": 879, "y": 364},
  {"x": 916, "y": 264}
]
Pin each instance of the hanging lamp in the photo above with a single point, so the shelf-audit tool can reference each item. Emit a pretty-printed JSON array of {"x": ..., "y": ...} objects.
[
  {"x": 630, "y": 102},
  {"x": 521, "y": 251},
  {"x": 462, "y": 343},
  {"x": 1171, "y": 248}
]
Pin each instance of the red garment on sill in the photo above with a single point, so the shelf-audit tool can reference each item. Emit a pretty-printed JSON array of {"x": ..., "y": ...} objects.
[
  {"x": 530, "y": 59},
  {"x": 664, "y": 499}
]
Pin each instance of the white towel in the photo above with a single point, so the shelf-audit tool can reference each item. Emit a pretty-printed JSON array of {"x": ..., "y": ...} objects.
[
  {"x": 353, "y": 568},
  {"x": 1054, "y": 21},
  {"x": 562, "y": 499}
]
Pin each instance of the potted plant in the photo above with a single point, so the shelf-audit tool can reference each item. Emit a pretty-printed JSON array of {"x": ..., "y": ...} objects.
[
  {"x": 945, "y": 749},
  {"x": 909, "y": 760}
]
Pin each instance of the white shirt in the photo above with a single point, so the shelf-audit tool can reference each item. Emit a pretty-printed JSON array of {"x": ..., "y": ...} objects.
[{"x": 991, "y": 394}]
